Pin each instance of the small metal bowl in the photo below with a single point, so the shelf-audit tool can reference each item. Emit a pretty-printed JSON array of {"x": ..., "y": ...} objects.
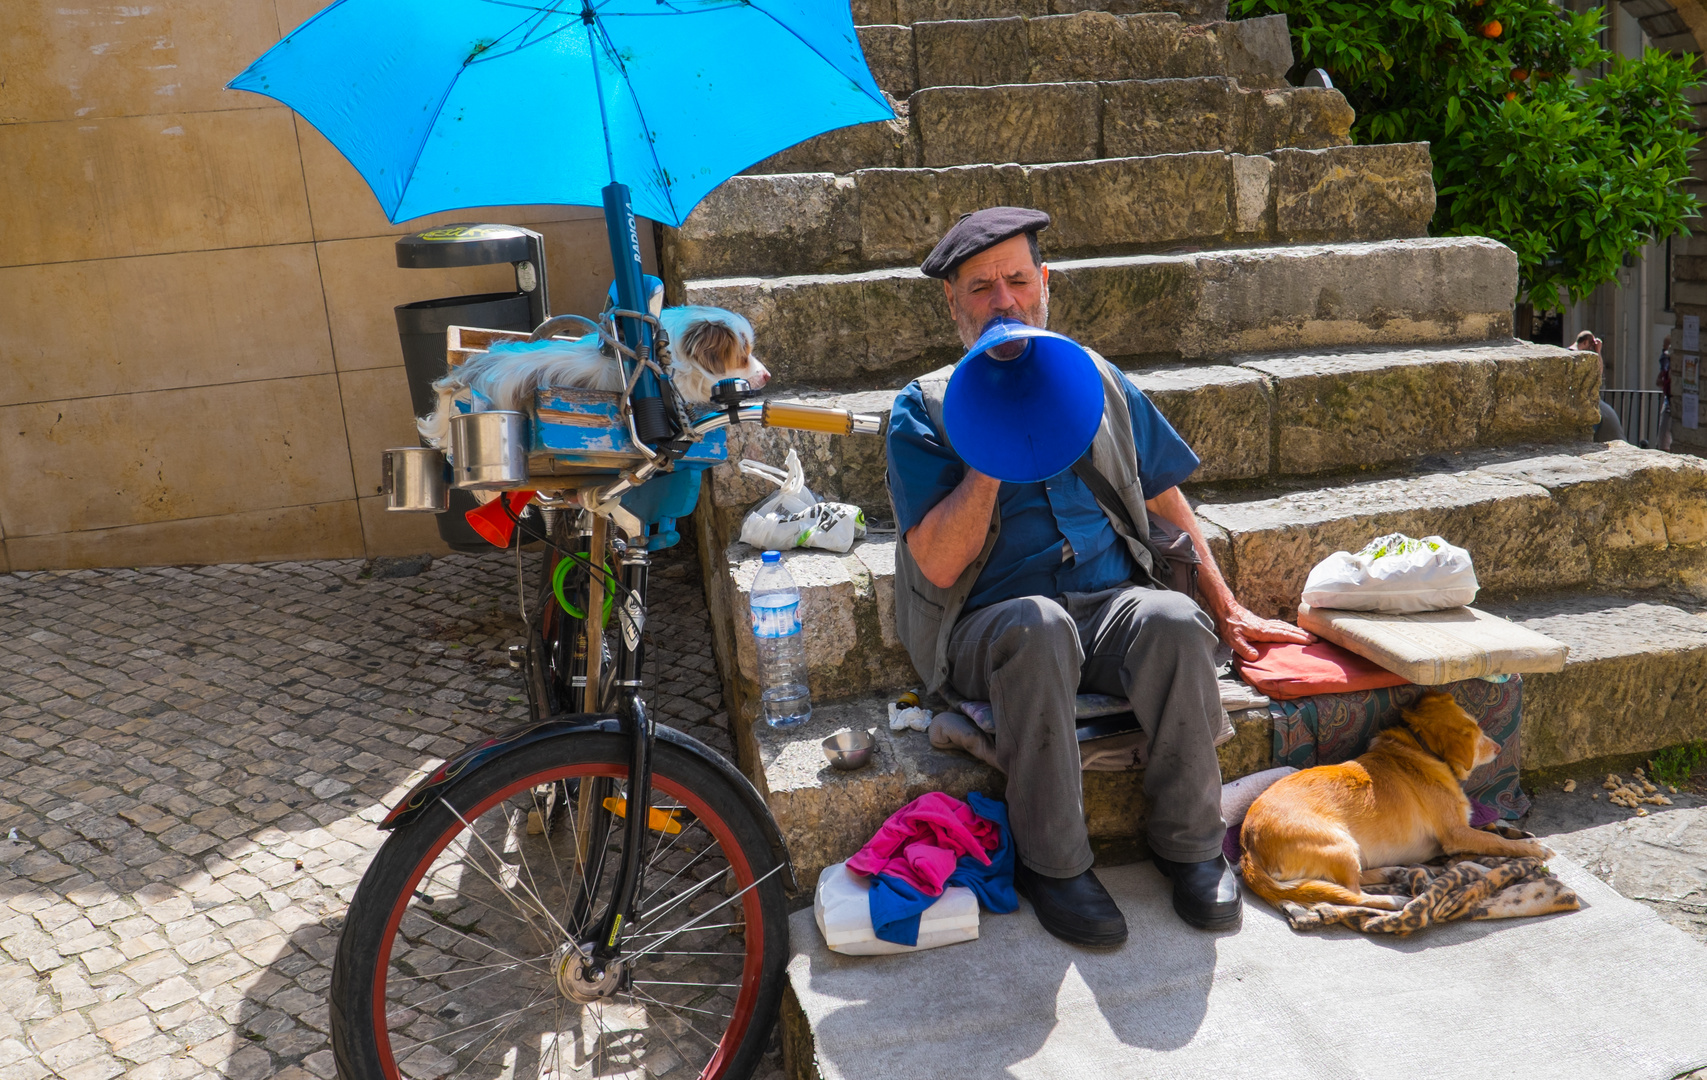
[{"x": 849, "y": 750}]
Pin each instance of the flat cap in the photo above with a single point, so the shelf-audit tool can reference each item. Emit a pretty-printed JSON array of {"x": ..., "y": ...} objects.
[{"x": 980, "y": 231}]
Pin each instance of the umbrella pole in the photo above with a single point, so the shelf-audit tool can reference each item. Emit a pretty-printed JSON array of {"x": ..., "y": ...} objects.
[{"x": 651, "y": 418}]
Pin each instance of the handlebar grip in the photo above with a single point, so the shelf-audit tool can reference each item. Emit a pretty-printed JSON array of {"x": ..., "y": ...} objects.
[{"x": 784, "y": 414}]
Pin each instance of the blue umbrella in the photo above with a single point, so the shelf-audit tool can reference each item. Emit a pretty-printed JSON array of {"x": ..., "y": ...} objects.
[{"x": 445, "y": 104}]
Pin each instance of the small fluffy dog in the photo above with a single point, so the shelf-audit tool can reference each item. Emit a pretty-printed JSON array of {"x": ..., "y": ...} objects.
[
  {"x": 1311, "y": 836},
  {"x": 707, "y": 344}
]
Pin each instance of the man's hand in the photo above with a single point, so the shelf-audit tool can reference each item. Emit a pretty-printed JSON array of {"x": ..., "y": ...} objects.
[{"x": 1239, "y": 627}]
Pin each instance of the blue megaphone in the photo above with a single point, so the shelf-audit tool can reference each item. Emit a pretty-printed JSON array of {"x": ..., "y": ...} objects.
[{"x": 1023, "y": 404}]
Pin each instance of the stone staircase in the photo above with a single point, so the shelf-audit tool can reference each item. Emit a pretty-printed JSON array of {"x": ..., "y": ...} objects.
[{"x": 1270, "y": 286}]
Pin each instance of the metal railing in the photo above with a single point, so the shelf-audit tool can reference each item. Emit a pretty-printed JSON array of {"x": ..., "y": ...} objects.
[{"x": 1640, "y": 411}]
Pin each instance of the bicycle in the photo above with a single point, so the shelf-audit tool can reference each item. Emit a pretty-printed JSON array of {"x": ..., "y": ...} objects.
[{"x": 592, "y": 891}]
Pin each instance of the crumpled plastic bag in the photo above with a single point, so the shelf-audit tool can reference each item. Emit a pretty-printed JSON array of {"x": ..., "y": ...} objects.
[
  {"x": 1394, "y": 574},
  {"x": 793, "y": 517}
]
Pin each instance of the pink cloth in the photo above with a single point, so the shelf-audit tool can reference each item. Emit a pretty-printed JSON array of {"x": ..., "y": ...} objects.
[{"x": 921, "y": 842}]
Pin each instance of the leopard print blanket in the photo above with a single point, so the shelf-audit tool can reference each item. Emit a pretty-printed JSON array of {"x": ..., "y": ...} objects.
[{"x": 1478, "y": 887}]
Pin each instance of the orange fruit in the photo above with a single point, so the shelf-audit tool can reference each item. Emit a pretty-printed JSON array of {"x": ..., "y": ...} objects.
[
  {"x": 1492, "y": 29},
  {"x": 1511, "y": 95},
  {"x": 1519, "y": 74}
]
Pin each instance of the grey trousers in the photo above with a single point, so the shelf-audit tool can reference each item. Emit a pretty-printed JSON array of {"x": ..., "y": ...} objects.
[{"x": 1028, "y": 657}]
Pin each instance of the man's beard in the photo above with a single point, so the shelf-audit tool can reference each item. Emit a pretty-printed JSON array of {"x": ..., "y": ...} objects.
[{"x": 1037, "y": 315}]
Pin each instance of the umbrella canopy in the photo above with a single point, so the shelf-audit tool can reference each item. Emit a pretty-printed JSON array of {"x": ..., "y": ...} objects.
[{"x": 446, "y": 104}]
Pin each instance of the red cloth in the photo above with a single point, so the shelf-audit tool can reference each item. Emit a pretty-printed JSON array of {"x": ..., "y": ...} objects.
[
  {"x": 1288, "y": 671},
  {"x": 921, "y": 842}
]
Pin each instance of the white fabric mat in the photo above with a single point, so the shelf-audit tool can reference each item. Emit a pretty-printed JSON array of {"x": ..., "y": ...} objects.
[{"x": 1608, "y": 991}]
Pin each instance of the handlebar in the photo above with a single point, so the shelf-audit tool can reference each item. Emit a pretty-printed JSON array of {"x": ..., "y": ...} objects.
[{"x": 775, "y": 414}]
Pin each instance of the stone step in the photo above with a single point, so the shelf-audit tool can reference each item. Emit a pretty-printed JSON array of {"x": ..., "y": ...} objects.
[
  {"x": 819, "y": 223},
  {"x": 1636, "y": 682},
  {"x": 887, "y": 326},
  {"x": 1584, "y": 517},
  {"x": 1265, "y": 417},
  {"x": 1581, "y": 517},
  {"x": 826, "y": 815},
  {"x": 904, "y": 12},
  {"x": 1050, "y": 122},
  {"x": 1085, "y": 46}
]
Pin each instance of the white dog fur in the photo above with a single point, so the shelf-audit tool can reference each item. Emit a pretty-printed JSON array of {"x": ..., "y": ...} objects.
[{"x": 707, "y": 344}]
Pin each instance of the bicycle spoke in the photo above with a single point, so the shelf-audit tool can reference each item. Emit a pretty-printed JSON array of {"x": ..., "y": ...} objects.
[
  {"x": 484, "y": 904},
  {"x": 645, "y": 919},
  {"x": 482, "y": 944},
  {"x": 462, "y": 970},
  {"x": 499, "y": 1034},
  {"x": 690, "y": 863},
  {"x": 521, "y": 850},
  {"x": 691, "y": 925},
  {"x": 550, "y": 848},
  {"x": 470, "y": 1027},
  {"x": 455, "y": 989},
  {"x": 497, "y": 861},
  {"x": 661, "y": 849},
  {"x": 664, "y": 1031},
  {"x": 671, "y": 1009}
]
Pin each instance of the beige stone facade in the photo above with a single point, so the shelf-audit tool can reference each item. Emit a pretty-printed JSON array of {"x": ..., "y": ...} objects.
[{"x": 198, "y": 357}]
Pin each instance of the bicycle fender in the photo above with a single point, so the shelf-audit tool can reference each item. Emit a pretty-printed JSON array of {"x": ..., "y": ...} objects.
[{"x": 465, "y": 762}]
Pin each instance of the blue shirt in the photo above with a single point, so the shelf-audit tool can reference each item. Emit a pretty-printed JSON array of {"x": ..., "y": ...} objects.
[{"x": 1036, "y": 518}]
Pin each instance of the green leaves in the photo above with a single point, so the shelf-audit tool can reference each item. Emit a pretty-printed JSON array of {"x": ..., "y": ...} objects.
[{"x": 1570, "y": 176}]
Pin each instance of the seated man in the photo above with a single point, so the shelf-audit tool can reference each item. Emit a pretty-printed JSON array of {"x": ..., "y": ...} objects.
[{"x": 1025, "y": 594}]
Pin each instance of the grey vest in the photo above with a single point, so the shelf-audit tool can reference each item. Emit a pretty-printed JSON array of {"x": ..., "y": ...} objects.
[{"x": 925, "y": 614}]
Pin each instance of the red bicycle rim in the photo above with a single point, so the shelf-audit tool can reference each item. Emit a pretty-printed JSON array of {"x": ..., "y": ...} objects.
[{"x": 751, "y": 967}]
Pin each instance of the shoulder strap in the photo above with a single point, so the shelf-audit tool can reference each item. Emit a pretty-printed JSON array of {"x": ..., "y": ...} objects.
[{"x": 1106, "y": 496}]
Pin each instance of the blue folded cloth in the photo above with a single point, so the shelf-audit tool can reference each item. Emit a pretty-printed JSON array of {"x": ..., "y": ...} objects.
[{"x": 897, "y": 905}]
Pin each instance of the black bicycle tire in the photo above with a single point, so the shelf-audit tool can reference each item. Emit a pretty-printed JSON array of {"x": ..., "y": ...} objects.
[{"x": 361, "y": 943}]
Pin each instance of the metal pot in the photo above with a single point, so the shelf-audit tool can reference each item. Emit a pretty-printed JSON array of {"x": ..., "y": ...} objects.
[
  {"x": 415, "y": 480},
  {"x": 489, "y": 450}
]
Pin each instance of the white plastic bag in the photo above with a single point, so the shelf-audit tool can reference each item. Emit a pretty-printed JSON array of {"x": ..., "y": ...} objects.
[
  {"x": 842, "y": 906},
  {"x": 794, "y": 517},
  {"x": 1396, "y": 574}
]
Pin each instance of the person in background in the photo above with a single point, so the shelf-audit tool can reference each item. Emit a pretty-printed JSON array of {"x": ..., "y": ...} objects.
[
  {"x": 1610, "y": 428},
  {"x": 1663, "y": 381}
]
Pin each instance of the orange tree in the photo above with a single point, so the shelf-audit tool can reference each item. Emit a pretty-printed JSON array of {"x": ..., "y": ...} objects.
[{"x": 1541, "y": 138}]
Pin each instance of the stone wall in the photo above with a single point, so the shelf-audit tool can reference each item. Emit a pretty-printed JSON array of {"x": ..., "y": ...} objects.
[{"x": 198, "y": 359}]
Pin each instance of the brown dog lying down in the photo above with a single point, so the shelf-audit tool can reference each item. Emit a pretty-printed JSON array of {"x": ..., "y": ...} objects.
[{"x": 1320, "y": 835}]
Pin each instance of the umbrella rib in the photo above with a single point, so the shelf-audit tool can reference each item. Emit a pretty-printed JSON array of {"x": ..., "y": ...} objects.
[
  {"x": 663, "y": 174},
  {"x": 754, "y": 4}
]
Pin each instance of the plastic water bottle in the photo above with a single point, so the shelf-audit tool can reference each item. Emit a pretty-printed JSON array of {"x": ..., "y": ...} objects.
[{"x": 781, "y": 645}]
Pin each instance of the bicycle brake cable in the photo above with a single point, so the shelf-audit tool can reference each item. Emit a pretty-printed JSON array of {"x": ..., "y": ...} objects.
[{"x": 610, "y": 577}]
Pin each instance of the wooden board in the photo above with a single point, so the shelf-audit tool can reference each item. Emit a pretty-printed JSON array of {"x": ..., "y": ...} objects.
[
  {"x": 1433, "y": 647},
  {"x": 465, "y": 342}
]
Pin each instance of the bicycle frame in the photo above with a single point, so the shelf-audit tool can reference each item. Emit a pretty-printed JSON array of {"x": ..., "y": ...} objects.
[{"x": 550, "y": 663}]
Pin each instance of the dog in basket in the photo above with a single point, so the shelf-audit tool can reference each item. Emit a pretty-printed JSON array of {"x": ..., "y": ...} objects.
[
  {"x": 1320, "y": 835},
  {"x": 706, "y": 345}
]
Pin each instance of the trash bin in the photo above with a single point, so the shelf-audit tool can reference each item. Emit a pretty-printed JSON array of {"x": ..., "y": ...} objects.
[{"x": 421, "y": 325}]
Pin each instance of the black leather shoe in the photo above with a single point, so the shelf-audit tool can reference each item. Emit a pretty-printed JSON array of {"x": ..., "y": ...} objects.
[
  {"x": 1206, "y": 894},
  {"x": 1078, "y": 910}
]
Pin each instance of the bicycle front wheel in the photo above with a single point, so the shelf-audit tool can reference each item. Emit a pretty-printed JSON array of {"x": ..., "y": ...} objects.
[{"x": 463, "y": 952}]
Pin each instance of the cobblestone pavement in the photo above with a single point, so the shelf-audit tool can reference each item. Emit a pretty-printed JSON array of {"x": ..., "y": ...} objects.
[
  {"x": 192, "y": 760},
  {"x": 191, "y": 763}
]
